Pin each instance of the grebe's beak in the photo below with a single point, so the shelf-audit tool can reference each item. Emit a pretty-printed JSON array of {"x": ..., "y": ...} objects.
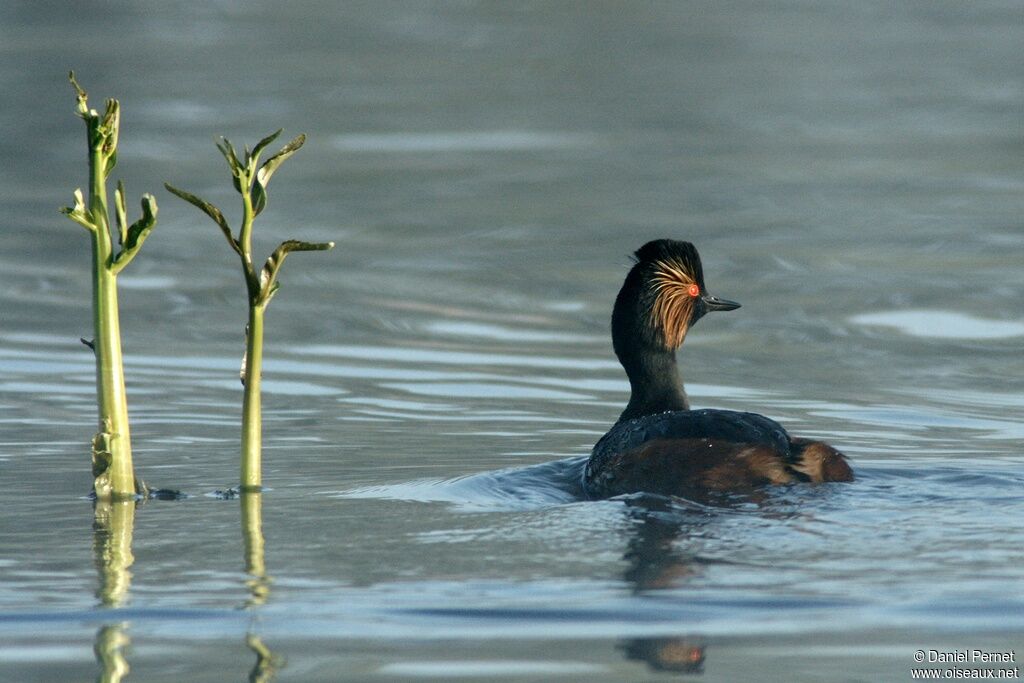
[{"x": 713, "y": 303}]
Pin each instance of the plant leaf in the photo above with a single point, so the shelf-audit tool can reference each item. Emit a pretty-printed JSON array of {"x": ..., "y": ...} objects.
[
  {"x": 136, "y": 234},
  {"x": 273, "y": 290},
  {"x": 268, "y": 276},
  {"x": 228, "y": 150},
  {"x": 262, "y": 144},
  {"x": 120, "y": 213},
  {"x": 237, "y": 169},
  {"x": 259, "y": 193},
  {"x": 259, "y": 187},
  {"x": 78, "y": 213},
  {"x": 271, "y": 164},
  {"x": 108, "y": 131},
  {"x": 111, "y": 163},
  {"x": 83, "y": 98},
  {"x": 111, "y": 120},
  {"x": 259, "y": 198},
  {"x": 210, "y": 210}
]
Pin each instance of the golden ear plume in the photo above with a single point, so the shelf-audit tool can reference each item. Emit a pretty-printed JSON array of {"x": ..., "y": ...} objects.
[{"x": 674, "y": 293}]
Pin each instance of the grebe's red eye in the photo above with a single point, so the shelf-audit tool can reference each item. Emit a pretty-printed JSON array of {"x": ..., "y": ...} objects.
[{"x": 693, "y": 290}]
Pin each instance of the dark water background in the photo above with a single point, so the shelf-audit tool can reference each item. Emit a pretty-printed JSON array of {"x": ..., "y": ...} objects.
[{"x": 852, "y": 172}]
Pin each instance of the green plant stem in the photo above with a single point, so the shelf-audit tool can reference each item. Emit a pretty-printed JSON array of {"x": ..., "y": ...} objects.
[
  {"x": 113, "y": 400},
  {"x": 250, "y": 180},
  {"x": 252, "y": 416},
  {"x": 252, "y": 421},
  {"x": 114, "y": 476}
]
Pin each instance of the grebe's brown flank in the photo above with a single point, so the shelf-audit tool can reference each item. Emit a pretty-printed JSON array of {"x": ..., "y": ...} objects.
[{"x": 658, "y": 444}]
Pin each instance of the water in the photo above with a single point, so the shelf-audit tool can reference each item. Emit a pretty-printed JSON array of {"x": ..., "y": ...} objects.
[{"x": 851, "y": 173}]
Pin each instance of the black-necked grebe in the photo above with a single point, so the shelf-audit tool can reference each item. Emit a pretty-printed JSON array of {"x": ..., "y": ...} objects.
[{"x": 658, "y": 444}]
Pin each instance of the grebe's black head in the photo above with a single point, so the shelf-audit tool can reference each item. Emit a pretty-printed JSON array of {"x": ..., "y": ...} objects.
[{"x": 663, "y": 295}]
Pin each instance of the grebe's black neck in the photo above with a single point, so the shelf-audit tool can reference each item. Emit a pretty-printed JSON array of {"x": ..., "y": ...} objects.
[{"x": 654, "y": 382}]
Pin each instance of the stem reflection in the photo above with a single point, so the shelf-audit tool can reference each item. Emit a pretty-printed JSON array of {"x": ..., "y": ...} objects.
[
  {"x": 267, "y": 663},
  {"x": 113, "y": 525}
]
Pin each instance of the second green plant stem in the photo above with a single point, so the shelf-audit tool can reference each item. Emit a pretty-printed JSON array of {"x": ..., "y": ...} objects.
[
  {"x": 252, "y": 414},
  {"x": 250, "y": 180}
]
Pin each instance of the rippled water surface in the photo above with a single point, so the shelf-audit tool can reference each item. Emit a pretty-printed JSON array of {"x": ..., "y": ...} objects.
[{"x": 852, "y": 173}]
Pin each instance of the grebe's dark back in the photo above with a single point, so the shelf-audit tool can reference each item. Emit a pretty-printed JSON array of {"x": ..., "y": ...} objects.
[{"x": 658, "y": 444}]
